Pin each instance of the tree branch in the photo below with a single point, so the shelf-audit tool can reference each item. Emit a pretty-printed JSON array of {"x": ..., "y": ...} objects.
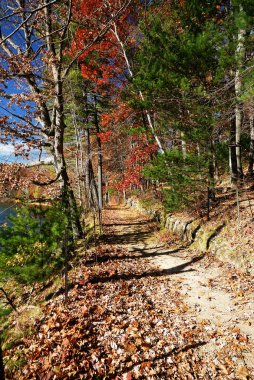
[
  {"x": 25, "y": 21},
  {"x": 97, "y": 38},
  {"x": 65, "y": 28},
  {"x": 46, "y": 162},
  {"x": 49, "y": 182},
  {"x": 9, "y": 300},
  {"x": 19, "y": 117}
]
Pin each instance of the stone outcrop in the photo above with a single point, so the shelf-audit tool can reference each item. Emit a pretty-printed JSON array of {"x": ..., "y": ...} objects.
[
  {"x": 135, "y": 203},
  {"x": 185, "y": 229},
  {"x": 204, "y": 236}
]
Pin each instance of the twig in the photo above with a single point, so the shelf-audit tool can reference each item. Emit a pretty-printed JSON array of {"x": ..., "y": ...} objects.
[{"x": 8, "y": 299}]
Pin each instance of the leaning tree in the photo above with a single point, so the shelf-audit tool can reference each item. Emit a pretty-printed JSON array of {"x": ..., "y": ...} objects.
[{"x": 34, "y": 36}]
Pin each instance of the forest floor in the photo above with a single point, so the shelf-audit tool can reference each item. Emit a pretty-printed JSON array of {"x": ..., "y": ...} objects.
[{"x": 143, "y": 307}]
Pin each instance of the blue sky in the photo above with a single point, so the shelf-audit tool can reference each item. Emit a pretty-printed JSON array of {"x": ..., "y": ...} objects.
[
  {"x": 7, "y": 155},
  {"x": 14, "y": 87}
]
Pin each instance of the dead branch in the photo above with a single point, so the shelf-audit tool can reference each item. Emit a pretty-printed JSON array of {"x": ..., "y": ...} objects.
[
  {"x": 47, "y": 161},
  {"x": 8, "y": 299},
  {"x": 49, "y": 182}
]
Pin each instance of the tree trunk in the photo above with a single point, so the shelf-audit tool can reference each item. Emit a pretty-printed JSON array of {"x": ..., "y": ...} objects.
[
  {"x": 87, "y": 174},
  {"x": 232, "y": 153},
  {"x": 100, "y": 195},
  {"x": 148, "y": 116},
  {"x": 240, "y": 52},
  {"x": 238, "y": 124},
  {"x": 78, "y": 158},
  {"x": 93, "y": 187},
  {"x": 251, "y": 152},
  {"x": 215, "y": 161},
  {"x": 69, "y": 198},
  {"x": 211, "y": 175},
  {"x": 92, "y": 198},
  {"x": 2, "y": 374},
  {"x": 78, "y": 177},
  {"x": 184, "y": 146},
  {"x": 198, "y": 150},
  {"x": 67, "y": 192},
  {"x": 57, "y": 151}
]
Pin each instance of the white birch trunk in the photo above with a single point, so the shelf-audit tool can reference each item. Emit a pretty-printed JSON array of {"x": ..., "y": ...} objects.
[
  {"x": 184, "y": 146},
  {"x": 148, "y": 116},
  {"x": 251, "y": 153},
  {"x": 240, "y": 52}
]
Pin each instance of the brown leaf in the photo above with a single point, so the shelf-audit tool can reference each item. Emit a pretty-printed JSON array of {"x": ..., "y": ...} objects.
[
  {"x": 127, "y": 376},
  {"x": 242, "y": 373}
]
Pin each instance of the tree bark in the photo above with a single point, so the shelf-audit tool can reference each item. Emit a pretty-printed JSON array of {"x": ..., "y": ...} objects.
[
  {"x": 240, "y": 52},
  {"x": 2, "y": 373},
  {"x": 211, "y": 175},
  {"x": 251, "y": 152},
  {"x": 232, "y": 153},
  {"x": 100, "y": 160},
  {"x": 184, "y": 146},
  {"x": 87, "y": 176},
  {"x": 57, "y": 151},
  {"x": 92, "y": 198},
  {"x": 93, "y": 187},
  {"x": 99, "y": 147},
  {"x": 148, "y": 116},
  {"x": 78, "y": 158}
]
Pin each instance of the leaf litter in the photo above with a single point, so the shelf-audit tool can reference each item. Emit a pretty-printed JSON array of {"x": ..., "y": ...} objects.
[{"x": 127, "y": 319}]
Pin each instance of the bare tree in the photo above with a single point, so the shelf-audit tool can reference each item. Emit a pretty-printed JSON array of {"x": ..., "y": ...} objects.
[{"x": 33, "y": 69}]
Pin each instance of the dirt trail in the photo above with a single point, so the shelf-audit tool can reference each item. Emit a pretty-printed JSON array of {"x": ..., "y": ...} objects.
[
  {"x": 141, "y": 309},
  {"x": 216, "y": 294}
]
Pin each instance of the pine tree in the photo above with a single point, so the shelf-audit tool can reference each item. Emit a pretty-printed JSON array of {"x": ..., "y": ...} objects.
[
  {"x": 31, "y": 244},
  {"x": 177, "y": 71}
]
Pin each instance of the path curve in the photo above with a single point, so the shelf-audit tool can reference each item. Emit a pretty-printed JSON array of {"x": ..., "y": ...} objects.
[{"x": 202, "y": 281}]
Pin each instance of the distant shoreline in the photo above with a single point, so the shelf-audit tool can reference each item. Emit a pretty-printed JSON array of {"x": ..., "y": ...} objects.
[
  {"x": 30, "y": 202},
  {"x": 8, "y": 200}
]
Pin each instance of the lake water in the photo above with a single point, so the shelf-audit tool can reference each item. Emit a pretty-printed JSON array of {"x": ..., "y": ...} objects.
[{"x": 6, "y": 209}]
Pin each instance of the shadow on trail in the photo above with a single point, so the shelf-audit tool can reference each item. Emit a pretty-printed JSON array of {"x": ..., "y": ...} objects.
[
  {"x": 124, "y": 224},
  {"x": 157, "y": 273},
  {"x": 126, "y": 238},
  {"x": 142, "y": 253},
  {"x": 175, "y": 351}
]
